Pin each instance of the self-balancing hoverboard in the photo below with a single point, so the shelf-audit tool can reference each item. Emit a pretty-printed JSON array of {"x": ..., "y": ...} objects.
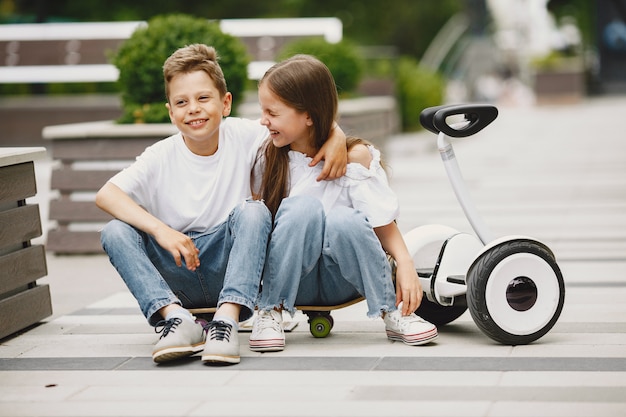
[{"x": 511, "y": 285}]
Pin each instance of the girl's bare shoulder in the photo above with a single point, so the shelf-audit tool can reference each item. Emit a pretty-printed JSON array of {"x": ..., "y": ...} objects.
[{"x": 360, "y": 154}]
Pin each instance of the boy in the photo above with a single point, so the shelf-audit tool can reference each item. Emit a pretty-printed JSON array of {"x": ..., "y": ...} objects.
[{"x": 186, "y": 232}]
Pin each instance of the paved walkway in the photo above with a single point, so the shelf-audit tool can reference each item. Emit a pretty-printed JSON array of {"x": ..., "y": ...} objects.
[{"x": 555, "y": 173}]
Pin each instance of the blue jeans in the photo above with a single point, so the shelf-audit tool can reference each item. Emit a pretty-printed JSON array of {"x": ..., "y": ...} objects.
[
  {"x": 231, "y": 256},
  {"x": 324, "y": 260}
]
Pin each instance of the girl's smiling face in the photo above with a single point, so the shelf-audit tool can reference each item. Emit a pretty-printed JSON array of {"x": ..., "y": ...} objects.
[
  {"x": 196, "y": 109},
  {"x": 287, "y": 126}
]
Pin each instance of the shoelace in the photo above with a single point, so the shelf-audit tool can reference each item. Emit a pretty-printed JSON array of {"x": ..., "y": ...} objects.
[
  {"x": 218, "y": 330},
  {"x": 404, "y": 321},
  {"x": 166, "y": 326},
  {"x": 266, "y": 321}
]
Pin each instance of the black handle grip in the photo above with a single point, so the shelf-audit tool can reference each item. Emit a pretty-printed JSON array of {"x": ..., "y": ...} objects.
[{"x": 479, "y": 116}]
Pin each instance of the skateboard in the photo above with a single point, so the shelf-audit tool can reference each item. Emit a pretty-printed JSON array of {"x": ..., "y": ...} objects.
[{"x": 319, "y": 318}]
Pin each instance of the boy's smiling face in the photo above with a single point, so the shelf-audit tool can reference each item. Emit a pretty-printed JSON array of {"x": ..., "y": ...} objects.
[{"x": 196, "y": 108}]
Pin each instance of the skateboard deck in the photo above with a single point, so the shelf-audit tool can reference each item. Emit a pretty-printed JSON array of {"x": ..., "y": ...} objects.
[
  {"x": 312, "y": 311},
  {"x": 304, "y": 308}
]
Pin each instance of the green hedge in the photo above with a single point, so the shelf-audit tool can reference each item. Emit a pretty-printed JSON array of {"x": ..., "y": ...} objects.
[
  {"x": 140, "y": 62},
  {"x": 342, "y": 59},
  {"x": 416, "y": 89}
]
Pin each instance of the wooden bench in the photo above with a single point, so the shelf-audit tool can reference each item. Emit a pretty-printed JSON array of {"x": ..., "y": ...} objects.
[
  {"x": 77, "y": 52},
  {"x": 22, "y": 301}
]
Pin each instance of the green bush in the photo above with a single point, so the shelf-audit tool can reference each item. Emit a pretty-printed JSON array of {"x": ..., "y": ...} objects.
[
  {"x": 416, "y": 89},
  {"x": 342, "y": 59},
  {"x": 140, "y": 62}
]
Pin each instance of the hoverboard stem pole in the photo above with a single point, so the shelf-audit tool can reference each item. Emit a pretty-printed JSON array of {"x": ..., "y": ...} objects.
[{"x": 460, "y": 189}]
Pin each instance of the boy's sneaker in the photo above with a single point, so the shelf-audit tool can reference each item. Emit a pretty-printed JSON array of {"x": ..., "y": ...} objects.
[
  {"x": 412, "y": 329},
  {"x": 222, "y": 344},
  {"x": 179, "y": 338},
  {"x": 267, "y": 332}
]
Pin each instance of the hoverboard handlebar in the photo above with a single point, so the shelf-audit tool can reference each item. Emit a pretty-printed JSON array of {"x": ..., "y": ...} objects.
[{"x": 477, "y": 116}]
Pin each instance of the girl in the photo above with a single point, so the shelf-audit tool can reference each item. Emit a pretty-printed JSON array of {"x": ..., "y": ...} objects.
[{"x": 330, "y": 240}]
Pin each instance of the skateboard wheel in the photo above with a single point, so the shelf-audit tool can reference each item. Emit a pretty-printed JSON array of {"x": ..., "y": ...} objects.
[{"x": 320, "y": 326}]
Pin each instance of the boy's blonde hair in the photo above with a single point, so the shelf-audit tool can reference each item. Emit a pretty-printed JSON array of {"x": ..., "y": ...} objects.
[{"x": 195, "y": 57}]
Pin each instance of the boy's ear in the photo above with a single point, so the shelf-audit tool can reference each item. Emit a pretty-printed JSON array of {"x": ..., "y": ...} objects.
[
  {"x": 169, "y": 111},
  {"x": 227, "y": 102}
]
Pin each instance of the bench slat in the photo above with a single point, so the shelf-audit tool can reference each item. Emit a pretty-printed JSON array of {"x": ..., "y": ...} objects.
[
  {"x": 100, "y": 149},
  {"x": 68, "y": 242},
  {"x": 59, "y": 74},
  {"x": 68, "y": 180},
  {"x": 58, "y": 52},
  {"x": 19, "y": 225},
  {"x": 68, "y": 31},
  {"x": 18, "y": 182},
  {"x": 24, "y": 309},
  {"x": 66, "y": 211},
  {"x": 22, "y": 267}
]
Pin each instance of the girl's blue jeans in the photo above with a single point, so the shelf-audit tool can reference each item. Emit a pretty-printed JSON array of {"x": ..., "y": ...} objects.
[
  {"x": 231, "y": 255},
  {"x": 323, "y": 260}
]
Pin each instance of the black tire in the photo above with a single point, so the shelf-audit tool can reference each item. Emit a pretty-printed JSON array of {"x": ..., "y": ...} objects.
[
  {"x": 515, "y": 292},
  {"x": 437, "y": 314}
]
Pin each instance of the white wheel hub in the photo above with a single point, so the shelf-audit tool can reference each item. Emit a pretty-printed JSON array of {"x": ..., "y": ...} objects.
[{"x": 527, "y": 277}]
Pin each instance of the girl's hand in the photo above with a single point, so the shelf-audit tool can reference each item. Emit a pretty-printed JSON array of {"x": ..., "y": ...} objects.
[{"x": 408, "y": 288}]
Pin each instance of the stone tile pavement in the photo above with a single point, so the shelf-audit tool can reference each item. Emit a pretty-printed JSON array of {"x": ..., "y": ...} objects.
[{"x": 557, "y": 173}]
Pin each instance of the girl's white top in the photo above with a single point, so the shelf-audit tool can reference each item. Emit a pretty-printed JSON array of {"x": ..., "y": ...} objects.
[
  {"x": 365, "y": 189},
  {"x": 189, "y": 192}
]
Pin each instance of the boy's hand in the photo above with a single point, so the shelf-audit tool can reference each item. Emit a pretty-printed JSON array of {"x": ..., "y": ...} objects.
[
  {"x": 331, "y": 171},
  {"x": 335, "y": 153},
  {"x": 180, "y": 246}
]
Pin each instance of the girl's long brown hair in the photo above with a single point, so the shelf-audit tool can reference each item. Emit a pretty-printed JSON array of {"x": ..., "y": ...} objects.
[{"x": 305, "y": 84}]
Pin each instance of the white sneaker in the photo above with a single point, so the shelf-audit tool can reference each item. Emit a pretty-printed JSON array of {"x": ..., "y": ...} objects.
[
  {"x": 412, "y": 329},
  {"x": 179, "y": 338},
  {"x": 267, "y": 332},
  {"x": 222, "y": 344}
]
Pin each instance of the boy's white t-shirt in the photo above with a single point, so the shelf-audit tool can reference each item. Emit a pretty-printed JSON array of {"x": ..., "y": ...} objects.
[
  {"x": 365, "y": 189},
  {"x": 189, "y": 192}
]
